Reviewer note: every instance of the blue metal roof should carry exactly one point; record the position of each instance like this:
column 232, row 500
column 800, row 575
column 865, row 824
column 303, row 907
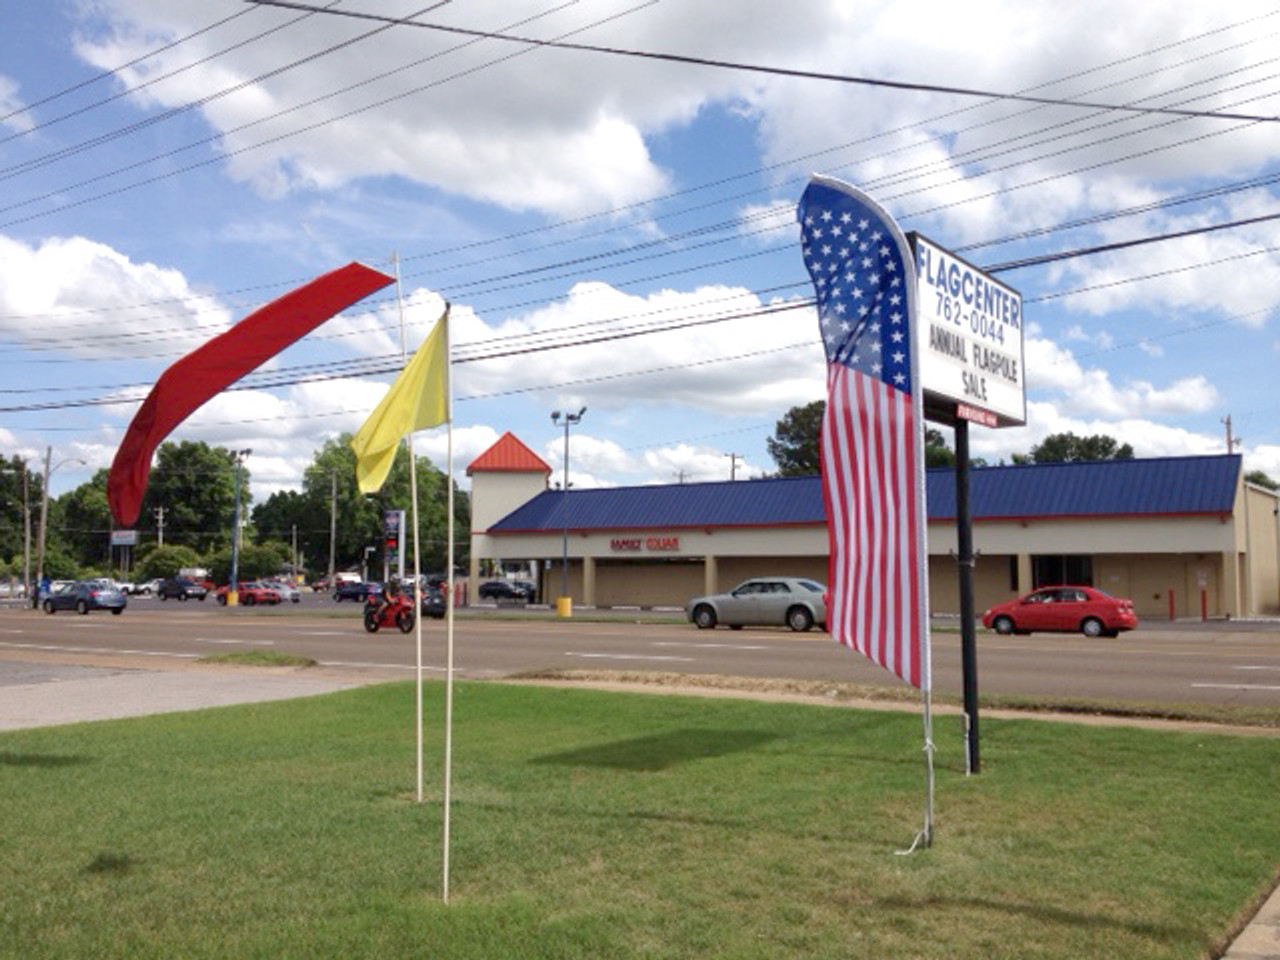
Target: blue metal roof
column 1156, row 487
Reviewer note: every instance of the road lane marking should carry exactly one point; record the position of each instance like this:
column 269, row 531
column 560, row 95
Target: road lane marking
column 1236, row 686
column 251, row 643
column 711, row 646
column 65, row 649
column 325, row 633
column 626, row 656
column 1242, row 666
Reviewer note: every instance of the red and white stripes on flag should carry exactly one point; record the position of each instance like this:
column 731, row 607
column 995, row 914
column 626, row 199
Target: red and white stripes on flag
column 870, row 453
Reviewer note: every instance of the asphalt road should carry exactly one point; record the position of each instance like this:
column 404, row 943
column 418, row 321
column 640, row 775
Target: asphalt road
column 1222, row 663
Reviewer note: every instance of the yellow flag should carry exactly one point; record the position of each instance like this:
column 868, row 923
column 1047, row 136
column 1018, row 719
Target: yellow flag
column 419, row 398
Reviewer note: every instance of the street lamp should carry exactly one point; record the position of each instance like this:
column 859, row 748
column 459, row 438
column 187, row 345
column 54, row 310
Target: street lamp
column 233, row 596
column 44, row 507
column 564, row 605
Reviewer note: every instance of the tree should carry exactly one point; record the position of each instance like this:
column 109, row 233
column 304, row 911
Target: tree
column 13, row 500
column 1261, row 479
column 359, row 517
column 1068, row 448
column 84, row 523
column 195, row 484
column 936, row 451
column 166, row 561
column 797, row 440
column 253, row 562
column 794, row 444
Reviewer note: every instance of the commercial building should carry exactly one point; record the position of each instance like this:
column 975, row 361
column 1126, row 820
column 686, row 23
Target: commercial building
column 1181, row 536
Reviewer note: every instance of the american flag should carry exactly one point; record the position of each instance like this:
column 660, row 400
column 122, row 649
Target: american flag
column 872, row 431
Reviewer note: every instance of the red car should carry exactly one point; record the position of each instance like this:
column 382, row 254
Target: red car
column 1063, row 610
column 250, row 594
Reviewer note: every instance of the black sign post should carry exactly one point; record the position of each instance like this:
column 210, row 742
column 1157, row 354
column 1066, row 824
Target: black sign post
column 968, row 629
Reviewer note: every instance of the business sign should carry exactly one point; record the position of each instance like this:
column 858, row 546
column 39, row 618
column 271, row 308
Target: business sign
column 969, row 330
column 124, row 538
column 658, row 544
column 393, row 530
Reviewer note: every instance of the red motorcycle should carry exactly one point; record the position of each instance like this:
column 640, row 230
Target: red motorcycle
column 397, row 613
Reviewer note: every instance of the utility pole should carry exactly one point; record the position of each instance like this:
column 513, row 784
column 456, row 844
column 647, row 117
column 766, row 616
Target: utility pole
column 44, row 515
column 1232, row 441
column 333, row 521
column 160, row 525
column 680, row 476
column 733, row 465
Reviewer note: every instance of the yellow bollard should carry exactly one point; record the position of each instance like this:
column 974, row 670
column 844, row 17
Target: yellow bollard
column 564, row 607
column 233, row 598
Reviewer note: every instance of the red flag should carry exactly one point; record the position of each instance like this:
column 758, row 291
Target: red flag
column 213, row 367
column 872, row 431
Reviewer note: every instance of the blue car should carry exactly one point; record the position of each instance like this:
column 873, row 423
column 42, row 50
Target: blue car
column 83, row 596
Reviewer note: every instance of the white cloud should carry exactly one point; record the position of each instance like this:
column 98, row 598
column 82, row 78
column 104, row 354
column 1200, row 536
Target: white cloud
column 13, row 112
column 1148, row 438
column 87, row 299
column 1050, row 368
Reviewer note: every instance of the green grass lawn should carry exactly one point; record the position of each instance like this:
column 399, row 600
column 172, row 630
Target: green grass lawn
column 595, row 825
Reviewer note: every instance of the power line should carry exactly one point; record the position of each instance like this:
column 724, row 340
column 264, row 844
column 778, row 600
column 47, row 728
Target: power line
column 774, row 71
column 1080, row 73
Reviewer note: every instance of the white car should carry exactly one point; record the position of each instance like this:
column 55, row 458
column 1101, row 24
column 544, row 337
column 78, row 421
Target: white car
column 288, row 592
column 763, row 602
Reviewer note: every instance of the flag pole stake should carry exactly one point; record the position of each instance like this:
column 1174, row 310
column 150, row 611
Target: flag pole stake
column 448, row 685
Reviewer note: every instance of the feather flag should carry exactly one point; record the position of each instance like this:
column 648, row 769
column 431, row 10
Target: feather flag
column 213, row 367
column 419, row 398
column 872, row 430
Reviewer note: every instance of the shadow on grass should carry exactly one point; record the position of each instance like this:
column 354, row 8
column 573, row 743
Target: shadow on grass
column 40, row 760
column 110, row 863
column 662, row 751
column 1159, row 932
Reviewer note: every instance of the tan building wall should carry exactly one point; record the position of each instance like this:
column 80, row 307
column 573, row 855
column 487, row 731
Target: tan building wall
column 1230, row 564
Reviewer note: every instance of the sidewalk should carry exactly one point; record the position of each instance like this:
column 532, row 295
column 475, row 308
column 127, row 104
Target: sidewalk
column 43, row 694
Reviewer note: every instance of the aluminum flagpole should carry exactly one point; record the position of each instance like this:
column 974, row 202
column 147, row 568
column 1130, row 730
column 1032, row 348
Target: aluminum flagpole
column 448, row 685
column 417, row 597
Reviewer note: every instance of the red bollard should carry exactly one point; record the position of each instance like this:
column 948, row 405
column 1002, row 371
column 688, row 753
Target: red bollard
column 1171, row 606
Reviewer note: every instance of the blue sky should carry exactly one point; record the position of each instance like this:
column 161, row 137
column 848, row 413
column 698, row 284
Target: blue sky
column 150, row 199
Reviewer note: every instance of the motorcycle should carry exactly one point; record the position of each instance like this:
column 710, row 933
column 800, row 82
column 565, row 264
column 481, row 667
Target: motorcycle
column 397, row 613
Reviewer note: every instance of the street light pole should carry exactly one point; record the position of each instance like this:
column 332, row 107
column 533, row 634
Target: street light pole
column 233, row 596
column 44, row 507
column 564, row 605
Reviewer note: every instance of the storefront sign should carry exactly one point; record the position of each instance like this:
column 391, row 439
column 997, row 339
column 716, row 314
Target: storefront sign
column 655, row 544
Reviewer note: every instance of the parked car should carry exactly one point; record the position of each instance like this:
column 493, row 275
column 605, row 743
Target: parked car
column 288, row 592
column 83, row 596
column 180, row 588
column 358, row 591
column 147, row 588
column 1063, row 610
column 762, row 602
column 506, row 590
column 250, row 593
column 433, row 603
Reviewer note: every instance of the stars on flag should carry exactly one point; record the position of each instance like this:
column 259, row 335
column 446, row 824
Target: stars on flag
column 858, row 279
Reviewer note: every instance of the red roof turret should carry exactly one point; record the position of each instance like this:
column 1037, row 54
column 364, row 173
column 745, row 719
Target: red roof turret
column 508, row 455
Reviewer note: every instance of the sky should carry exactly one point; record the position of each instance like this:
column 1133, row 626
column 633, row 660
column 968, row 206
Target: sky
column 618, row 232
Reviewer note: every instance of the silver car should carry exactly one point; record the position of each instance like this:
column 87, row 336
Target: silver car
column 764, row 601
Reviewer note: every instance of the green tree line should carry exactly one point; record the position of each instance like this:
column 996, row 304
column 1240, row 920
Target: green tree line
column 186, row 518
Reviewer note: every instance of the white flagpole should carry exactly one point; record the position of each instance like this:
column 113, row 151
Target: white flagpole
column 448, row 686
column 417, row 598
